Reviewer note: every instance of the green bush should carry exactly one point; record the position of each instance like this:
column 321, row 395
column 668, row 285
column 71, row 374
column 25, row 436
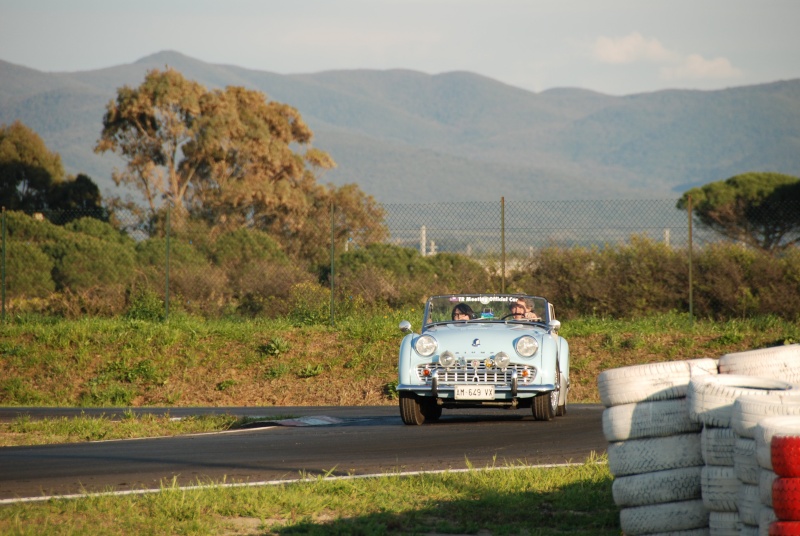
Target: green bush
column 28, row 270
column 244, row 246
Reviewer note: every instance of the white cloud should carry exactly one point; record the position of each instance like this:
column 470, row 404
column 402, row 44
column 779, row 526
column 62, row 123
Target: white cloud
column 629, row 49
column 695, row 66
column 636, row 48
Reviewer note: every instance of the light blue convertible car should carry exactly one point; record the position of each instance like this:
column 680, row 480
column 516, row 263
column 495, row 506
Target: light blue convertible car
column 483, row 350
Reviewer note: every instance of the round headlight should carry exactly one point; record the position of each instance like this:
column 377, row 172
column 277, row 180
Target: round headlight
column 447, row 359
column 526, row 346
column 501, row 360
column 425, row 345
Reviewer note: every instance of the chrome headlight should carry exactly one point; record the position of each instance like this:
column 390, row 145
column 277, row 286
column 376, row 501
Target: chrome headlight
column 425, row 345
column 526, row 346
column 447, row 359
column 501, row 360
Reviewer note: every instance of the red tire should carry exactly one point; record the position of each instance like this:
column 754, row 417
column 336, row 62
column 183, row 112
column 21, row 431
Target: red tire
column 786, row 498
column 785, row 451
column 784, row 528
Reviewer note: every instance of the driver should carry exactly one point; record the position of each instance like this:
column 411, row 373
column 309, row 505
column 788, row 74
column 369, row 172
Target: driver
column 462, row 311
column 522, row 310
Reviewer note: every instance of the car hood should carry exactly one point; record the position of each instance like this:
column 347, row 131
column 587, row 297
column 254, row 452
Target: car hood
column 487, row 335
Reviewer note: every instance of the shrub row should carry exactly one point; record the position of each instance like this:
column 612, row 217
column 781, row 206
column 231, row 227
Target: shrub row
column 89, row 267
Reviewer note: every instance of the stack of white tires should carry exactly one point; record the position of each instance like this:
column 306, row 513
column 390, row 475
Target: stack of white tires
column 654, row 448
column 690, row 443
column 781, row 364
column 730, row 478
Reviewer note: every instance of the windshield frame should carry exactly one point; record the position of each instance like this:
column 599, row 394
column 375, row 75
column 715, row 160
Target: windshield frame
column 438, row 309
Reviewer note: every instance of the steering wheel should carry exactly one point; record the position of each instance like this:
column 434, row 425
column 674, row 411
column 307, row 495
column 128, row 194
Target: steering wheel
column 509, row 314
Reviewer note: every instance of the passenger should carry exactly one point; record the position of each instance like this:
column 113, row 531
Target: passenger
column 462, row 311
column 522, row 310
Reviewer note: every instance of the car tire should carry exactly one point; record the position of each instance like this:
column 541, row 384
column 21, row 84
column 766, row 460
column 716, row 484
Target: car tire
column 744, row 460
column 749, row 410
column 777, row 362
column 748, row 503
column 431, row 410
column 785, row 451
column 720, row 487
column 665, row 517
column 765, row 480
column 658, row 418
column 786, row 498
column 717, row 445
column 724, row 523
column 411, row 409
column 652, row 381
column 638, row 456
column 711, row 398
column 542, row 406
column 564, row 391
column 657, row 487
column 784, row 528
column 769, row 427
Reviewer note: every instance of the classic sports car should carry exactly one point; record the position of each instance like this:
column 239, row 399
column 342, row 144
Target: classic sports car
column 483, row 350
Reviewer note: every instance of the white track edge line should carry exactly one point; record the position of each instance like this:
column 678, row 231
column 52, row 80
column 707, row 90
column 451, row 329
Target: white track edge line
column 278, row 482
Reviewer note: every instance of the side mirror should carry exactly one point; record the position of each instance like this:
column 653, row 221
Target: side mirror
column 405, row 326
column 555, row 325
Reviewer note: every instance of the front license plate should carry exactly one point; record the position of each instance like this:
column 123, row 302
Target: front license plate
column 474, row 392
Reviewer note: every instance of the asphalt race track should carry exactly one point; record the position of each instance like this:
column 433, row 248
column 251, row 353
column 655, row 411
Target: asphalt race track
column 292, row 442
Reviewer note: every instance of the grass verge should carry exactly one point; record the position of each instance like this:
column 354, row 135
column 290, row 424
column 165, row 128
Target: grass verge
column 26, row 431
column 510, row 500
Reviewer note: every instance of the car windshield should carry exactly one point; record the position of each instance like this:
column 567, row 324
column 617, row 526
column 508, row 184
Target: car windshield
column 485, row 308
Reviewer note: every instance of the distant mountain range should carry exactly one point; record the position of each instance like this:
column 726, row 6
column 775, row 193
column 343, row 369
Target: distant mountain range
column 409, row 137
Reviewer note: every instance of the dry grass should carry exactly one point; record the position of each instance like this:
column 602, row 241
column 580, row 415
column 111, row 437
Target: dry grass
column 193, row 362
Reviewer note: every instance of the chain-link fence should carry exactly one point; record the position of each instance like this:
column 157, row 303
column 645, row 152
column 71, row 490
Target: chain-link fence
column 83, row 265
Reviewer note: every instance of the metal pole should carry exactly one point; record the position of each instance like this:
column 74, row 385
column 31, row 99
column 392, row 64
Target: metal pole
column 333, row 251
column 166, row 288
column 503, row 241
column 3, row 275
column 691, row 262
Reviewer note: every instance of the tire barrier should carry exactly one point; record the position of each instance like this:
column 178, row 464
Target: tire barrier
column 786, row 498
column 785, row 451
column 654, row 381
column 738, row 407
column 779, row 362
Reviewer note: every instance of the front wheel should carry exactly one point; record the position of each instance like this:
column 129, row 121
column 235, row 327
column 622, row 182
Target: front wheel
column 411, row 409
column 545, row 406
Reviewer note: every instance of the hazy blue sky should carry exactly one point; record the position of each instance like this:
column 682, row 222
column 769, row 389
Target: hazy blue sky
column 613, row 46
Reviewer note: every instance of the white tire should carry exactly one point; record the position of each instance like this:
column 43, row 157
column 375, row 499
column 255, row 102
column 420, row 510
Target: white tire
column 765, row 518
column 748, row 530
column 657, row 487
column 703, row 531
column 637, row 456
column 765, row 480
column 778, row 362
column 648, row 419
column 717, row 445
column 748, row 410
column 748, row 503
column 768, row 427
column 724, row 523
column 720, row 488
column 744, row 460
column 653, row 381
column 665, row 517
column 711, row 398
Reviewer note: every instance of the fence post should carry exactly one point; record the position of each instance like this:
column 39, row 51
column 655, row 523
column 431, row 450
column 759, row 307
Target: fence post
column 503, row 242
column 3, row 275
column 691, row 247
column 333, row 251
column 166, row 288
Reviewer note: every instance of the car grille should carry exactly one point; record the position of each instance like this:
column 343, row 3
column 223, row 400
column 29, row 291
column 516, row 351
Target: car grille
column 481, row 375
